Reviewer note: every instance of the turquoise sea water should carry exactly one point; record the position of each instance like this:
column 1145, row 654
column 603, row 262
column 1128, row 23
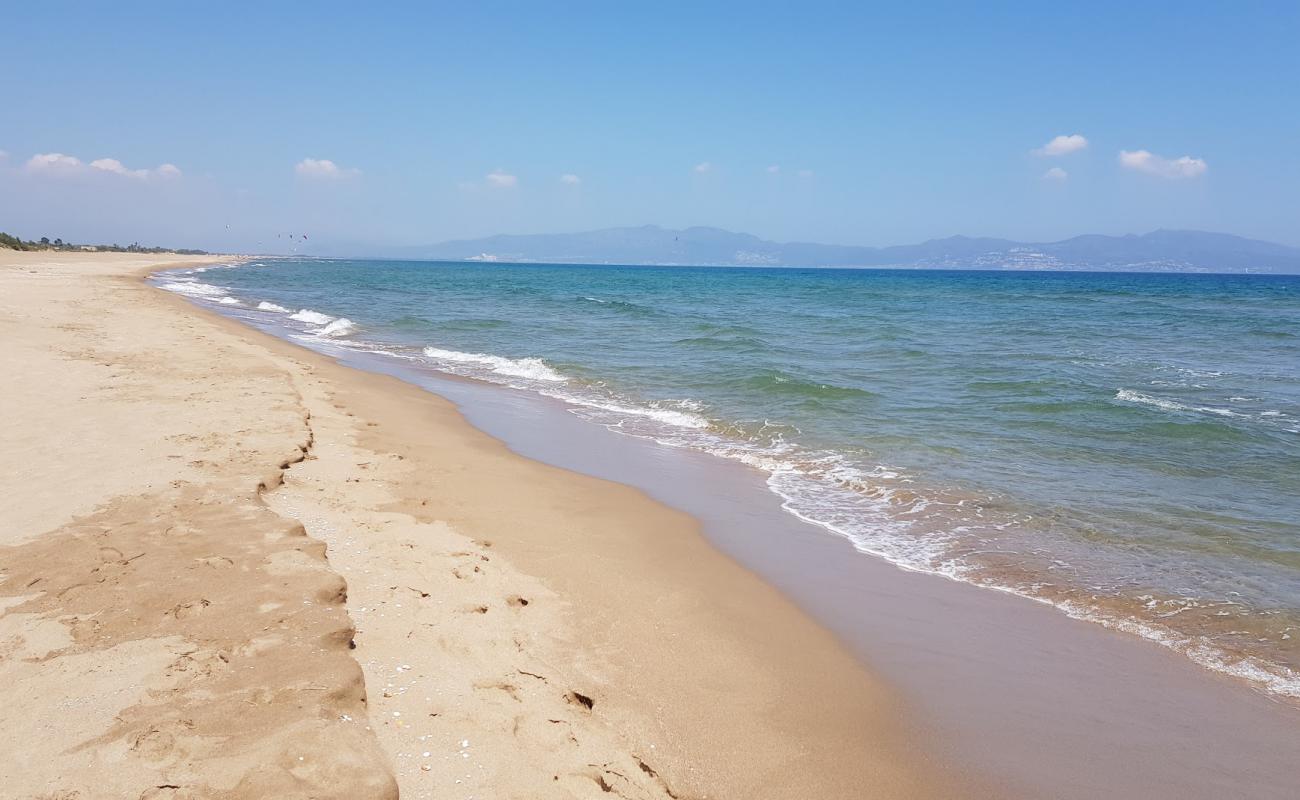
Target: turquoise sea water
column 1124, row 446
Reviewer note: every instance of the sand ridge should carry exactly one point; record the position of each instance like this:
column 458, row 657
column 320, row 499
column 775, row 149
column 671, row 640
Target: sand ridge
column 472, row 689
column 166, row 634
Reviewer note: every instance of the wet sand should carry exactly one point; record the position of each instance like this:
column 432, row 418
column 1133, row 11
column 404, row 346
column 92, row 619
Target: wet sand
column 230, row 567
column 993, row 683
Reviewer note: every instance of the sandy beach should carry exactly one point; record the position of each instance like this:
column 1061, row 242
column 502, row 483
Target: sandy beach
column 233, row 568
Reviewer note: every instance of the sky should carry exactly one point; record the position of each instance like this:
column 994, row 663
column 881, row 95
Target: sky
column 223, row 126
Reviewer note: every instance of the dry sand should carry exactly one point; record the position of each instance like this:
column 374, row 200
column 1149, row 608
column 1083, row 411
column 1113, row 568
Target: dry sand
column 196, row 516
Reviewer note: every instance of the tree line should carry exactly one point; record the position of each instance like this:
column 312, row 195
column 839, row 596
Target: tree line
column 44, row 243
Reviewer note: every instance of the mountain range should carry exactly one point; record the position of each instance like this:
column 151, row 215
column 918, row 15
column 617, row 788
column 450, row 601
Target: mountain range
column 1159, row 251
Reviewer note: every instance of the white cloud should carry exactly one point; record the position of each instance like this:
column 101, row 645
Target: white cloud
column 52, row 161
column 570, row 179
column 4, row 155
column 1055, row 174
column 118, row 168
column 1152, row 164
column 775, row 168
column 703, row 167
column 501, row 179
column 1063, row 145
column 323, row 168
column 805, row 173
column 58, row 162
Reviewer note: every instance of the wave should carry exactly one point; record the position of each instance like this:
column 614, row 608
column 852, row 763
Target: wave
column 743, row 344
column 1036, row 387
column 311, row 317
column 265, row 306
column 339, row 327
column 194, row 289
column 777, row 382
column 657, row 411
column 622, row 305
column 229, row 301
column 1138, row 398
column 530, row 368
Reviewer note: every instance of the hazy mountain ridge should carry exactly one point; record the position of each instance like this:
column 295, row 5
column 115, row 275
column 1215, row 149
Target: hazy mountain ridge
column 1159, row 251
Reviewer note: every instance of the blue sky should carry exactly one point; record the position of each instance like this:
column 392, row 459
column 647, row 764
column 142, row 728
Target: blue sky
column 795, row 121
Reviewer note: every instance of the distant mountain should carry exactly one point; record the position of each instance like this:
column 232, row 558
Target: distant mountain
column 1160, row 251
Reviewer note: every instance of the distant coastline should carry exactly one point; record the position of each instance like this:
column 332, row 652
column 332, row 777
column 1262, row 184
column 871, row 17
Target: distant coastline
column 1159, row 251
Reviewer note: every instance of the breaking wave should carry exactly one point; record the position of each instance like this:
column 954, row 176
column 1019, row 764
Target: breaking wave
column 530, row 368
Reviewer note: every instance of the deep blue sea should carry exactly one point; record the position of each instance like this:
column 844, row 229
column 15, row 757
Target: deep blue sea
column 1124, row 446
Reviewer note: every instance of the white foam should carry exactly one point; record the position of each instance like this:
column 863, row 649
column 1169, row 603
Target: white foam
column 530, row 368
column 668, row 416
column 311, row 317
column 229, row 301
column 1273, row 678
column 339, row 327
column 265, row 306
column 1170, row 405
column 194, row 288
column 1147, row 400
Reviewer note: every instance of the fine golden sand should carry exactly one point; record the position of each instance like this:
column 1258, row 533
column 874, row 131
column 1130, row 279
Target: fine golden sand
column 232, row 568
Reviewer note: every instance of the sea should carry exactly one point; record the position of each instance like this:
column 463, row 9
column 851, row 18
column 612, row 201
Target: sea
column 1125, row 447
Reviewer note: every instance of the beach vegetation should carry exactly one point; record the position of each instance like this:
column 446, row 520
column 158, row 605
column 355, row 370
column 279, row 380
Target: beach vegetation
column 11, row 242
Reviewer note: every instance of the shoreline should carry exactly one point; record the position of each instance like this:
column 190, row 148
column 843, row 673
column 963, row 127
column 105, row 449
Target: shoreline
column 852, row 737
column 1116, row 698
column 598, row 644
column 873, row 525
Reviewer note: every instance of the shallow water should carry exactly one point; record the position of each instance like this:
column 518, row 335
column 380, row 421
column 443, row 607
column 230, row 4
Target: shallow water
column 1124, row 446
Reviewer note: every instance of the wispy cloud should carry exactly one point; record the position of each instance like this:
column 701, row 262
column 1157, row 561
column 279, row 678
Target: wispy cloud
column 703, row 167
column 1152, row 164
column 501, row 180
column 1055, row 174
column 569, row 179
column 805, row 173
column 774, row 169
column 1063, row 145
column 323, row 168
